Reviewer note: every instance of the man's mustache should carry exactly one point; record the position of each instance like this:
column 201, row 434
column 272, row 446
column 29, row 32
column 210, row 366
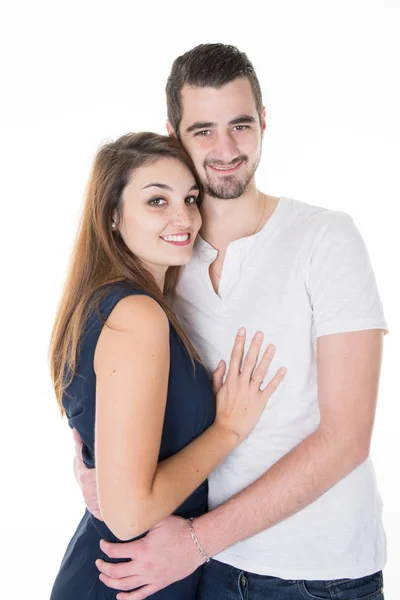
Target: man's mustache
column 220, row 163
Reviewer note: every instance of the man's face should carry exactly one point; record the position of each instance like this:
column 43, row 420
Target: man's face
column 221, row 131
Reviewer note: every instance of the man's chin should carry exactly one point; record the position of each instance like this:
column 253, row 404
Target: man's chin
column 225, row 194
column 226, row 191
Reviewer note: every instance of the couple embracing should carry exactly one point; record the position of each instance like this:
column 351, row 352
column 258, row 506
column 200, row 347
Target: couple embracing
column 257, row 484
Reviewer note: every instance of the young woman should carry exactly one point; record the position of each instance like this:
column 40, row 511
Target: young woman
column 123, row 369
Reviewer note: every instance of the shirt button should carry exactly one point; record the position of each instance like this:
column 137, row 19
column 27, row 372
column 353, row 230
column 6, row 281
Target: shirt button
column 243, row 580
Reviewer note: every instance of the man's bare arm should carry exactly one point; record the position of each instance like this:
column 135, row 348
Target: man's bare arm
column 86, row 478
column 348, row 378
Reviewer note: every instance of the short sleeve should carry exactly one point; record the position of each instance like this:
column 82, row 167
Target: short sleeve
column 342, row 287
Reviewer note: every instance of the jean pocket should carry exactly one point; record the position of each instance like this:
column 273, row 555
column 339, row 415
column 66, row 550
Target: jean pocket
column 363, row 588
column 314, row 590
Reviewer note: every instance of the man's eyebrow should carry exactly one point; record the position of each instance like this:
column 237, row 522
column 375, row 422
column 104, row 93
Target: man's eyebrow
column 209, row 124
column 200, row 125
column 242, row 119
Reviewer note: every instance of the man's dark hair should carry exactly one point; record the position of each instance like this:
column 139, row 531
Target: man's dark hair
column 208, row 65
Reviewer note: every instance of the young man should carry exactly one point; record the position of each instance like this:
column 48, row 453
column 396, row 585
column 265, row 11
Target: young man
column 294, row 511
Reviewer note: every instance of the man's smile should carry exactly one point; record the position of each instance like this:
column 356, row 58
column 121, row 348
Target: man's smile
column 228, row 169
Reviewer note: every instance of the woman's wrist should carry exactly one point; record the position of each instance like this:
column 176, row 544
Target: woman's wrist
column 225, row 432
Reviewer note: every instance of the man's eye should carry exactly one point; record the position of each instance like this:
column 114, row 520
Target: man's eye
column 192, row 199
column 156, row 201
column 241, row 127
column 203, row 133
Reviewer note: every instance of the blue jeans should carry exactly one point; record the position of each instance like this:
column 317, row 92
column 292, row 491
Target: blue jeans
column 223, row 582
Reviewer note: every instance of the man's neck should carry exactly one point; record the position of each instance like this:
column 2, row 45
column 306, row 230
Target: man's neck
column 225, row 221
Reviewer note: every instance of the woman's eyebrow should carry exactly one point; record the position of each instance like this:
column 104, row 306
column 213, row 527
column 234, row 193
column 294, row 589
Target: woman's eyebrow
column 163, row 186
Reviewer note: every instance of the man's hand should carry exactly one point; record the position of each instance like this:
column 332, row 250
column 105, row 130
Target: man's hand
column 167, row 554
column 86, row 478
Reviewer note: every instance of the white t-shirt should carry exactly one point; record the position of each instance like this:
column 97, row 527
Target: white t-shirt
column 305, row 274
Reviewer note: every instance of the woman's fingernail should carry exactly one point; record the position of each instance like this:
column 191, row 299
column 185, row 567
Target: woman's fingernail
column 271, row 349
column 241, row 331
column 259, row 335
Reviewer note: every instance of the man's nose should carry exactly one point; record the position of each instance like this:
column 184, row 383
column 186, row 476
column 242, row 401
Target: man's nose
column 226, row 148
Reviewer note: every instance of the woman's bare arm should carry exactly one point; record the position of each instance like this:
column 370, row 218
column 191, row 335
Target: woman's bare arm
column 132, row 366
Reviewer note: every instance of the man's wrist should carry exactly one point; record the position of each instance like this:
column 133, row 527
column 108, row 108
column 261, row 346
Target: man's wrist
column 209, row 531
column 196, row 542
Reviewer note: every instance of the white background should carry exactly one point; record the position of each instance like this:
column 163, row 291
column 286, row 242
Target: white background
column 75, row 74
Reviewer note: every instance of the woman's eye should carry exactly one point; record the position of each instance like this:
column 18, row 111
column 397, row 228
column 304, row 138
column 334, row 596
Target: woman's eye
column 156, row 201
column 192, row 199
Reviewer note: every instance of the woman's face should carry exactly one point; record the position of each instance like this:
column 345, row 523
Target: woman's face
column 159, row 215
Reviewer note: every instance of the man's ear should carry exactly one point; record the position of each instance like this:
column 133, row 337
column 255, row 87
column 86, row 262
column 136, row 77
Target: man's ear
column 170, row 130
column 263, row 120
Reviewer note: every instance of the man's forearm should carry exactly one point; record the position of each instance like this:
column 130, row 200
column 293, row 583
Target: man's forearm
column 291, row 484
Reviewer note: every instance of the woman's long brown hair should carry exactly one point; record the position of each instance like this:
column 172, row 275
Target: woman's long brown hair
column 101, row 257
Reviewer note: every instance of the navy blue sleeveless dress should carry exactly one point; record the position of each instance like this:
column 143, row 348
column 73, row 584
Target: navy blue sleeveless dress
column 190, row 409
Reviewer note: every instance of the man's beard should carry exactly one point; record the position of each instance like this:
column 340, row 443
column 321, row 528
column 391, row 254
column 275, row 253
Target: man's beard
column 229, row 187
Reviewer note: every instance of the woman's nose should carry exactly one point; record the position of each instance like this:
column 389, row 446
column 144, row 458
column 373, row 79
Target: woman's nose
column 182, row 218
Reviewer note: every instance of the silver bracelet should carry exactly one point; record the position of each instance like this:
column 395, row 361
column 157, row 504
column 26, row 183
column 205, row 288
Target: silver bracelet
column 196, row 541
